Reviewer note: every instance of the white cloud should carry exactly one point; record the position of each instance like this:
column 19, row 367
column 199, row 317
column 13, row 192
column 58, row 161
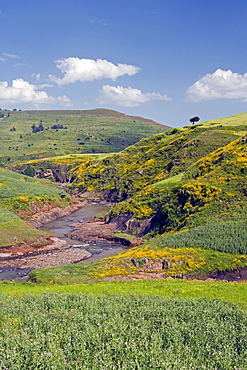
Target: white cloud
column 21, row 65
column 75, row 69
column 127, row 97
column 14, row 56
column 37, row 76
column 2, row 59
column 22, row 92
column 220, row 84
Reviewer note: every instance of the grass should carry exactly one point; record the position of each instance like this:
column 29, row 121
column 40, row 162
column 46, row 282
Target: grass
column 16, row 190
column 227, row 237
column 18, row 194
column 77, row 331
column 14, row 231
column 229, row 292
column 100, row 131
column 170, row 180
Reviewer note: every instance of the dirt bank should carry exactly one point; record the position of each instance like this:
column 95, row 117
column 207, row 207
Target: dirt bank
column 40, row 216
column 230, row 275
column 235, row 276
column 47, row 213
column 49, row 243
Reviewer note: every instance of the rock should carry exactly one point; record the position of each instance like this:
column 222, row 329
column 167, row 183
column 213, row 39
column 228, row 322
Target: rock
column 56, row 244
column 57, row 258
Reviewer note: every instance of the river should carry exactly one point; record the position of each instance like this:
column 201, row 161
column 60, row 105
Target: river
column 62, row 226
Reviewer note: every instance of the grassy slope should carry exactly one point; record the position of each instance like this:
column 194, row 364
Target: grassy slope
column 179, row 172
column 17, row 193
column 98, row 130
column 196, row 185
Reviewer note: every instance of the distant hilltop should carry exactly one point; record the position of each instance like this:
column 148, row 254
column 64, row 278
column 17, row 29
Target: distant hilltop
column 99, row 112
column 34, row 134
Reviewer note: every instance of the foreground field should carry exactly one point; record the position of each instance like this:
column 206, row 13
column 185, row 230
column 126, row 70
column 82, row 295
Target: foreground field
column 230, row 292
column 75, row 331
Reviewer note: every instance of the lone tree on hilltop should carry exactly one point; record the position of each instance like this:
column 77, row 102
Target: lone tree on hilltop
column 194, row 119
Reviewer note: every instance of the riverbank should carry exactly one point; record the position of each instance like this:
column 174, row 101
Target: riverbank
column 57, row 249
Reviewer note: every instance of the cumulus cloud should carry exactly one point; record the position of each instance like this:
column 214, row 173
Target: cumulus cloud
column 22, row 92
column 76, row 69
column 13, row 56
column 220, row 84
column 127, row 97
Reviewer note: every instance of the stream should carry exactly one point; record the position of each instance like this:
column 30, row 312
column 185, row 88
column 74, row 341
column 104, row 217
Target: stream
column 62, row 226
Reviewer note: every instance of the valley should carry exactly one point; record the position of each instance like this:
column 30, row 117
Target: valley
column 173, row 203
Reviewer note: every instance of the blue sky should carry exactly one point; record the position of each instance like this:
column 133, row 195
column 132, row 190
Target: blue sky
column 166, row 60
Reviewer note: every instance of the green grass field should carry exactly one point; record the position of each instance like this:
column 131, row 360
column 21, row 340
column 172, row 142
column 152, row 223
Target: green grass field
column 229, row 292
column 78, row 331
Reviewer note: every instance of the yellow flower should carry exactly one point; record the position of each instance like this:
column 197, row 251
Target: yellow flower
column 24, row 199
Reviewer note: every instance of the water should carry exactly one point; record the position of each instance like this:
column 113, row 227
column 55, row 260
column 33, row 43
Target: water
column 62, row 226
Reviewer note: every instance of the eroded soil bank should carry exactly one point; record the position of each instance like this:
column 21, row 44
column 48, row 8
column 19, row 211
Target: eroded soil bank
column 61, row 249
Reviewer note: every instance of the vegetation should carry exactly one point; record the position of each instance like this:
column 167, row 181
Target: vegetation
column 145, row 259
column 58, row 168
column 20, row 196
column 186, row 187
column 172, row 288
column 109, row 332
column 227, row 237
column 194, row 119
column 183, row 190
column 177, row 179
column 89, row 131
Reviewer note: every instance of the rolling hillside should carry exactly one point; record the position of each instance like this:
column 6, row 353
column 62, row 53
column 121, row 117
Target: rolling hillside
column 27, row 135
column 184, row 191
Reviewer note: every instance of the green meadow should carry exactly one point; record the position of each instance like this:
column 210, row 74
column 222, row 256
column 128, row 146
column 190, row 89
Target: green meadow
column 78, row 132
column 131, row 325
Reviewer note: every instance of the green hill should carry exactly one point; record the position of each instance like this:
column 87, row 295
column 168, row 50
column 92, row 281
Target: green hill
column 176, row 179
column 19, row 197
column 183, row 190
column 29, row 135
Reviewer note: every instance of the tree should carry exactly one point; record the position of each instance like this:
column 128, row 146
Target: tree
column 194, row 119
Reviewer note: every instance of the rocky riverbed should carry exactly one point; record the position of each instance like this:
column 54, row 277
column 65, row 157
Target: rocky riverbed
column 47, row 259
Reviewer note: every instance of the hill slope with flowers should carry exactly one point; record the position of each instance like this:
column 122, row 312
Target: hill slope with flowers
column 175, row 177
column 183, row 192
